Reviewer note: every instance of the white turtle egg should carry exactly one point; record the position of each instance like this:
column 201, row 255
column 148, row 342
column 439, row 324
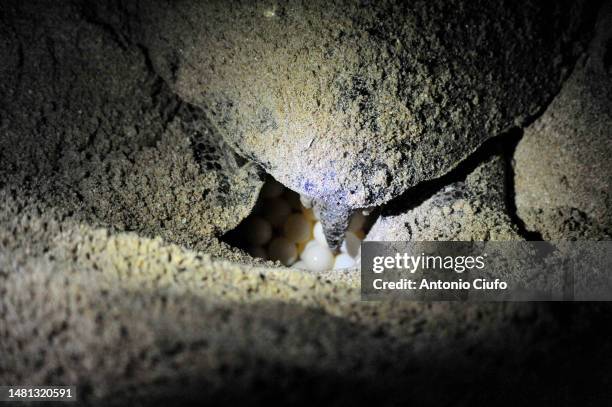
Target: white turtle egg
column 276, row 210
column 318, row 257
column 357, row 221
column 351, row 244
column 283, row 250
column 306, row 246
column 297, row 228
column 300, row 265
column 258, row 231
column 319, row 235
column 272, row 189
column 344, row 261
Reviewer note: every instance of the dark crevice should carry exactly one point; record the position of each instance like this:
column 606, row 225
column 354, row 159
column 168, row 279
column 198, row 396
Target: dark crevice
column 588, row 33
column 147, row 59
column 585, row 36
column 169, row 102
column 511, row 193
column 607, row 58
column 503, row 145
column 423, row 191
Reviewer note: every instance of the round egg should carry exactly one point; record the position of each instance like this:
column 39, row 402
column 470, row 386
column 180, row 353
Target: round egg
column 293, row 199
column 344, row 261
column 257, row 251
column 305, row 246
column 297, row 228
column 300, row 265
column 351, row 245
column 319, row 235
column 272, row 189
column 318, row 257
column 258, row 231
column 283, row 250
column 357, row 222
column 276, row 211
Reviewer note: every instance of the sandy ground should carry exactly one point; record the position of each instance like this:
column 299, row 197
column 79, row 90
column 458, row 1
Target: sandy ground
column 113, row 276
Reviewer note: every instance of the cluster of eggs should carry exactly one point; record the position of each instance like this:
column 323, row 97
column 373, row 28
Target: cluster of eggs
column 282, row 227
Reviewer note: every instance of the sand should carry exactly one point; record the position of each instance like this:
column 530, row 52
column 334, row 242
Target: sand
column 116, row 192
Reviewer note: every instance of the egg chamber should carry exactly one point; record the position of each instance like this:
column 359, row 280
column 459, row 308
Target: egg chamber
column 284, row 227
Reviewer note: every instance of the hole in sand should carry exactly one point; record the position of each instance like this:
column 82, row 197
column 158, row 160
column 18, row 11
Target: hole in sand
column 281, row 228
